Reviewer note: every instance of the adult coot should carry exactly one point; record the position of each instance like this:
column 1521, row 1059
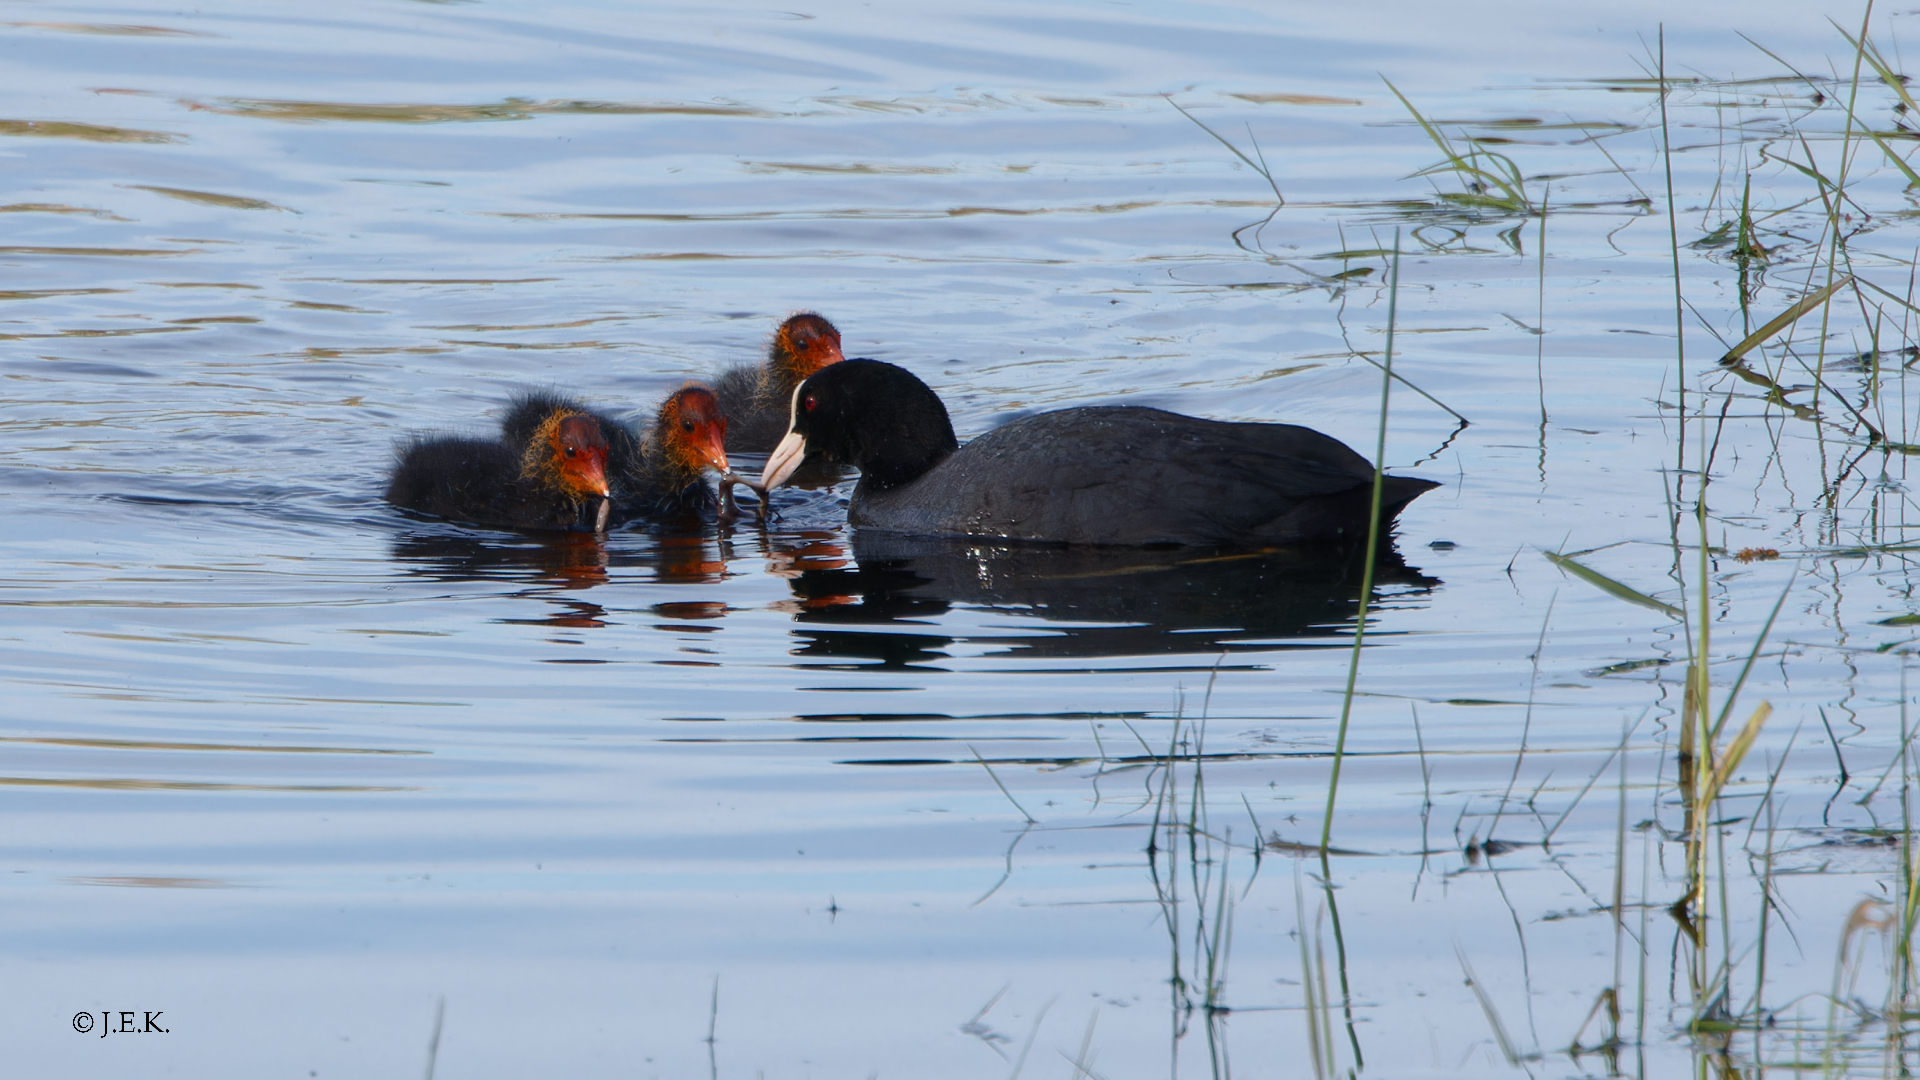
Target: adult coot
column 559, row 465
column 1099, row 475
column 755, row 397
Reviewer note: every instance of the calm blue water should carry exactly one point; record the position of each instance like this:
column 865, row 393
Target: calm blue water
column 298, row 771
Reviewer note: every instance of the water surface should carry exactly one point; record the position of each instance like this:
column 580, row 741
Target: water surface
column 300, row 771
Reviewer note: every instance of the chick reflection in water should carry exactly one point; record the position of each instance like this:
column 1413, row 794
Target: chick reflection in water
column 1141, row 602
column 573, row 560
column 578, row 560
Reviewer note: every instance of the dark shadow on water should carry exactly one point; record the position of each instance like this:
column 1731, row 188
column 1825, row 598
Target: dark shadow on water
column 1139, row 602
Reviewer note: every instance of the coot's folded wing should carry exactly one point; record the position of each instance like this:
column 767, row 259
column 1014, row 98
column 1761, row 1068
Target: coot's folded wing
column 1126, row 475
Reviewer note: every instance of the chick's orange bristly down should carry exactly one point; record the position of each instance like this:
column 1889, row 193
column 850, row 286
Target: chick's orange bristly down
column 568, row 452
column 755, row 397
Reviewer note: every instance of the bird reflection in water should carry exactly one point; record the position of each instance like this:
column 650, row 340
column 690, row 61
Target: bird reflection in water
column 576, row 560
column 1088, row 602
column 567, row 560
column 566, row 615
column 690, row 559
column 810, row 553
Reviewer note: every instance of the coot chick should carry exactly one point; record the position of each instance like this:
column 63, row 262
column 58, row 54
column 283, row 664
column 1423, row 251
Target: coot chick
column 1123, row 475
column 547, row 471
column 755, row 398
column 561, row 466
column 655, row 474
column 667, row 476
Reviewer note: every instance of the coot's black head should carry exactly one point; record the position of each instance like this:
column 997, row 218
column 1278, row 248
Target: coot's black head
column 872, row 415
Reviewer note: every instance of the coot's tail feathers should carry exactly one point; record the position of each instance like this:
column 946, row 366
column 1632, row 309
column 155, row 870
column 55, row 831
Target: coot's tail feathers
column 1314, row 488
column 1397, row 491
column 1341, row 517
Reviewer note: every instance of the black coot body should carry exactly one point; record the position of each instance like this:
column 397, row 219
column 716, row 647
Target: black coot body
column 755, row 397
column 1121, row 475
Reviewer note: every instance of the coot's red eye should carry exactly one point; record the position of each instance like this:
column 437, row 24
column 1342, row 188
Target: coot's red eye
column 686, row 425
column 807, row 403
column 571, row 452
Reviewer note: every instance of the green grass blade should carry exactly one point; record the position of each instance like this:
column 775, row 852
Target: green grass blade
column 1611, row 587
column 1730, row 760
column 1515, row 198
column 1913, row 178
column 1433, row 133
column 1257, row 166
column 1759, row 643
column 1031, row 820
column 1871, row 54
column 1781, row 321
